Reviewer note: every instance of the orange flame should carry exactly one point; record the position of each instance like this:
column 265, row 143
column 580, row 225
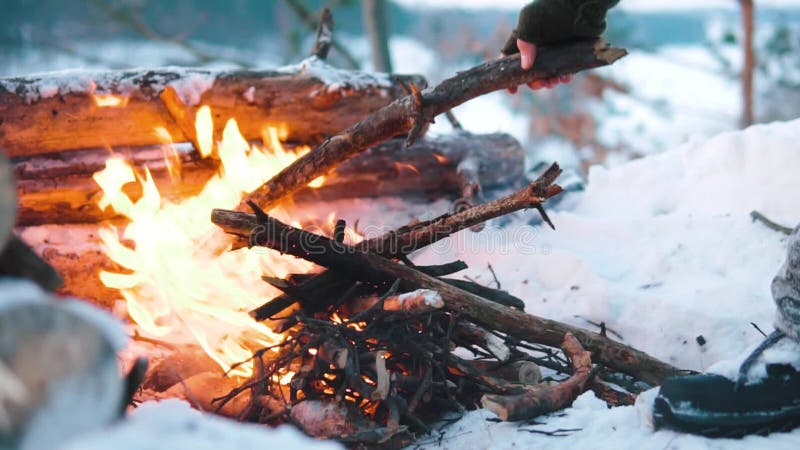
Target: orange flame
column 110, row 100
column 180, row 282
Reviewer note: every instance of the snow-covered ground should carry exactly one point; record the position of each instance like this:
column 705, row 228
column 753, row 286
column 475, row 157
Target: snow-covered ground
column 661, row 249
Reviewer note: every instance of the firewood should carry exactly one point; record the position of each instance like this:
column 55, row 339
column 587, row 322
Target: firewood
column 420, row 301
column 538, row 401
column 57, row 112
column 471, row 334
column 59, row 188
column 270, row 232
column 521, row 372
column 413, row 113
column 408, row 239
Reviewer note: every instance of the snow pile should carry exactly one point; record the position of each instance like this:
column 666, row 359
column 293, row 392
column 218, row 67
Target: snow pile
column 663, row 251
column 174, row 425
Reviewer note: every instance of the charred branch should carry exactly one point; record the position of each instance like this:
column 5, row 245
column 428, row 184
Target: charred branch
column 543, row 400
column 271, row 233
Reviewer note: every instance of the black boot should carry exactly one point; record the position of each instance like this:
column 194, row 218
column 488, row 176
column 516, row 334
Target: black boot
column 715, row 406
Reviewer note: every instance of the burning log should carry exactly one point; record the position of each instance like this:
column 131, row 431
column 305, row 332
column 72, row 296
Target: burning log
column 413, row 113
column 58, row 188
column 538, row 401
column 53, row 113
column 268, row 232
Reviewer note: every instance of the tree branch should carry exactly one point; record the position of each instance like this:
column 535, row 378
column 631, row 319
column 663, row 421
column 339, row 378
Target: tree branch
column 414, row 112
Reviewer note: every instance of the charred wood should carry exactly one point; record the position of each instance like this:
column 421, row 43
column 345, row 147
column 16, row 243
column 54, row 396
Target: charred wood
column 274, row 234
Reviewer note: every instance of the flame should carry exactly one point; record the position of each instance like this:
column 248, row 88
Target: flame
column 171, row 156
column 110, row 100
column 204, row 127
column 179, row 282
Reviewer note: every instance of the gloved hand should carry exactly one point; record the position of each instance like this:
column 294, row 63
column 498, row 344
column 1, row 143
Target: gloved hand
column 551, row 21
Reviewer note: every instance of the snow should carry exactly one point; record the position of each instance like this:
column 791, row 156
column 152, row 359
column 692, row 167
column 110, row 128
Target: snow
column 188, row 83
column 16, row 292
column 172, row 424
column 662, row 250
column 338, row 79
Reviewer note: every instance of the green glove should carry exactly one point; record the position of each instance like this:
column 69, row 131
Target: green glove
column 550, row 21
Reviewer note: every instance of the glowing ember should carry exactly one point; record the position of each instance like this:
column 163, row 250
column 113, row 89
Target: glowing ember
column 180, row 283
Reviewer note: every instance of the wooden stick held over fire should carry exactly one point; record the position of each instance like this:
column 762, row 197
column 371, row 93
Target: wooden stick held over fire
column 413, row 113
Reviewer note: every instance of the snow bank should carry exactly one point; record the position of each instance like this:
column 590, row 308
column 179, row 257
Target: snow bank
column 663, row 251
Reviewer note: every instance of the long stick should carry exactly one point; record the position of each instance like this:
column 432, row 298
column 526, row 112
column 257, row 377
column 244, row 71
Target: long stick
column 276, row 235
column 413, row 113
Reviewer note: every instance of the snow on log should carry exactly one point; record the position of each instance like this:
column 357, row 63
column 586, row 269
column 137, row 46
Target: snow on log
column 82, row 110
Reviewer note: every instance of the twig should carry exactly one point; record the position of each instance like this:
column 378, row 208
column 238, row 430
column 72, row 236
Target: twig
column 494, row 275
column 758, row 217
column 324, row 37
column 308, row 19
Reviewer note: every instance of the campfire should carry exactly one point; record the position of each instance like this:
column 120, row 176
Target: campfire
column 274, row 310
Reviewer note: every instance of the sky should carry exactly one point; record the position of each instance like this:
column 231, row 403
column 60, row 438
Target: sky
column 631, row 5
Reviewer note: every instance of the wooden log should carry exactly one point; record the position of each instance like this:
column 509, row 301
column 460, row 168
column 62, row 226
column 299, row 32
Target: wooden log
column 58, row 188
column 537, row 402
column 65, row 111
column 413, row 113
column 272, row 233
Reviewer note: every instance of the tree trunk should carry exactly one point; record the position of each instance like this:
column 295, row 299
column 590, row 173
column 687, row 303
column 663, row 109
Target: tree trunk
column 748, row 69
column 376, row 26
